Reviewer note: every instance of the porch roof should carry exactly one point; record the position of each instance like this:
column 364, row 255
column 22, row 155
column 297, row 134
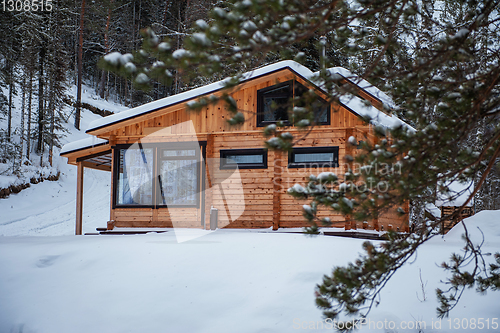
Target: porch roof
column 95, row 153
column 82, row 144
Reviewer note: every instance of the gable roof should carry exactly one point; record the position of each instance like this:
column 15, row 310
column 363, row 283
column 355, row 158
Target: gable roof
column 352, row 103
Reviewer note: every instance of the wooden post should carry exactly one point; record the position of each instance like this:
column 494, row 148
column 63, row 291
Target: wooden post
column 277, row 190
column 347, row 223
column 209, row 162
column 79, row 198
column 112, row 143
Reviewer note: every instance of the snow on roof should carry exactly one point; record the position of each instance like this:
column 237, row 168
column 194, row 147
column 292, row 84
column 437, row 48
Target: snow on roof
column 380, row 118
column 362, row 109
column 82, row 144
column 363, row 84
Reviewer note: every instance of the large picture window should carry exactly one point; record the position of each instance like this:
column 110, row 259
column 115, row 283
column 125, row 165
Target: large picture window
column 273, row 104
column 178, row 177
column 155, row 176
column 243, row 159
column 314, row 157
column 135, row 177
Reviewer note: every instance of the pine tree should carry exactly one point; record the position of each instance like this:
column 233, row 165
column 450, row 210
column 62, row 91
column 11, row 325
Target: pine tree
column 106, row 48
column 9, row 46
column 41, row 99
column 79, row 68
column 57, row 58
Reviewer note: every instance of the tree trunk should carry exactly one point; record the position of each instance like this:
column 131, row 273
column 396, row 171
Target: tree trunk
column 165, row 12
column 101, row 83
column 23, row 107
column 10, row 70
column 40, row 101
column 80, row 69
column 52, row 116
column 106, row 49
column 28, row 132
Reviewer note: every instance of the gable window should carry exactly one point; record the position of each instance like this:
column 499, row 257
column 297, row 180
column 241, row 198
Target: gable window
column 314, row 157
column 243, row 159
column 273, row 104
column 320, row 107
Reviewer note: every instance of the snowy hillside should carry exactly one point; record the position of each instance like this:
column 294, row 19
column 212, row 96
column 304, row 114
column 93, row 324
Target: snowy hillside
column 48, row 208
column 226, row 281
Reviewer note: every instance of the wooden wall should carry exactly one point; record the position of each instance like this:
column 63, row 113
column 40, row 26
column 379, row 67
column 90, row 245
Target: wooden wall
column 157, row 218
column 249, row 194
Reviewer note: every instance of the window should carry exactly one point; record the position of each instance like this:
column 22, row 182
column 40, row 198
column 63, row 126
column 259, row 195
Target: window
column 178, row 172
column 243, row 158
column 273, row 104
column 314, row 157
column 320, row 106
column 155, row 176
column 134, row 177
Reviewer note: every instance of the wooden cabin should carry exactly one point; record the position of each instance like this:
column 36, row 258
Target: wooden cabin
column 172, row 167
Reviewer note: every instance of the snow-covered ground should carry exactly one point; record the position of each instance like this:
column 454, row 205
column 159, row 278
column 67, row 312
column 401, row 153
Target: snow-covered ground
column 225, row 281
column 49, row 208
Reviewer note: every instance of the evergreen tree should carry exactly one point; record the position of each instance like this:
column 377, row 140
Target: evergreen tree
column 57, row 58
column 79, row 67
column 35, row 48
column 9, row 46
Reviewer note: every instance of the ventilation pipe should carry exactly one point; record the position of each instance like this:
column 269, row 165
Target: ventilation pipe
column 322, row 41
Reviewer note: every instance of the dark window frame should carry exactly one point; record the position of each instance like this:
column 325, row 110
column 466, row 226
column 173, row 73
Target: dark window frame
column 251, row 151
column 328, row 105
column 160, row 158
column 313, row 150
column 116, row 165
column 157, row 150
column 293, row 85
column 260, row 101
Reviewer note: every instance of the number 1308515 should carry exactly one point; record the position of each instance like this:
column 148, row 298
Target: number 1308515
column 26, row 5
